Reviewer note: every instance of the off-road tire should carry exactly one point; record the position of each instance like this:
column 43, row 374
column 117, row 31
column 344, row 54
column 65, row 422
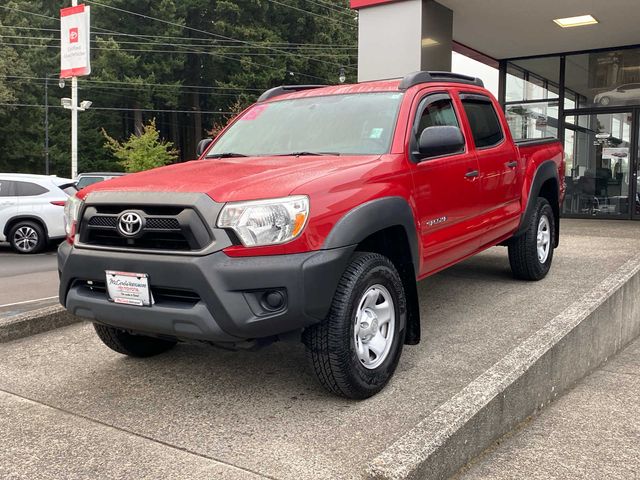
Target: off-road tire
column 523, row 250
column 40, row 239
column 330, row 344
column 132, row 345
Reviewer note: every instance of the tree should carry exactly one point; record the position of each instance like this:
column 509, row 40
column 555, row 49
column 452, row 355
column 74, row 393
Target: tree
column 142, row 152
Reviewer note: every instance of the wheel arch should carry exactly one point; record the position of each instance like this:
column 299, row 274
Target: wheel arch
column 33, row 218
column 386, row 226
column 546, row 185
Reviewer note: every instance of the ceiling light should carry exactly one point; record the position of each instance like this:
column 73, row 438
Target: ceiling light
column 579, row 21
column 429, row 42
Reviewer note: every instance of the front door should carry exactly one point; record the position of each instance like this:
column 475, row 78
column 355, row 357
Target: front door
column 446, row 190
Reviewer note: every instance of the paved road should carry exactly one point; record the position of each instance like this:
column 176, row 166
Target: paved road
column 593, row 432
column 71, row 408
column 25, row 278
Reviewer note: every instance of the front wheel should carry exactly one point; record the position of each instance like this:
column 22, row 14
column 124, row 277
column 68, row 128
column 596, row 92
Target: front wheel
column 356, row 349
column 531, row 254
column 126, row 343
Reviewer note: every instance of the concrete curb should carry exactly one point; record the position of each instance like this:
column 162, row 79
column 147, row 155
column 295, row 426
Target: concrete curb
column 569, row 347
column 33, row 322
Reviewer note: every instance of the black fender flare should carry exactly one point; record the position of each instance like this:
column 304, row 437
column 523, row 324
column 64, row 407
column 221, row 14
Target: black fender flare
column 371, row 217
column 547, row 170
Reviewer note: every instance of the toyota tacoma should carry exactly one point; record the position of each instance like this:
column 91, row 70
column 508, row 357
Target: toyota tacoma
column 311, row 217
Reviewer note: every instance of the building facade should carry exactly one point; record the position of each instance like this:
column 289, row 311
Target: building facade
column 568, row 70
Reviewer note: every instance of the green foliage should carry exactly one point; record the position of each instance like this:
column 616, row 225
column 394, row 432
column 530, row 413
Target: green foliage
column 142, row 152
column 143, row 69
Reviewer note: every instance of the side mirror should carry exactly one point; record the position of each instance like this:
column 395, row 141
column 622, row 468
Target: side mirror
column 441, row 140
column 202, row 146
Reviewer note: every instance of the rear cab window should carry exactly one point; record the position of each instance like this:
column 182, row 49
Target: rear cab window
column 483, row 120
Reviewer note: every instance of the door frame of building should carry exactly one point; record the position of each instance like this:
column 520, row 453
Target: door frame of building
column 633, row 158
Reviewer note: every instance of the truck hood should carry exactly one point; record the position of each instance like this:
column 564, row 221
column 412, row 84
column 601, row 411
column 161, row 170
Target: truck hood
column 234, row 179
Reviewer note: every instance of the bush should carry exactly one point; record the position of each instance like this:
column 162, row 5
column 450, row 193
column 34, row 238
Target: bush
column 142, row 152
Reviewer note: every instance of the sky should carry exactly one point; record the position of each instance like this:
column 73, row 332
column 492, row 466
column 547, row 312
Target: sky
column 468, row 66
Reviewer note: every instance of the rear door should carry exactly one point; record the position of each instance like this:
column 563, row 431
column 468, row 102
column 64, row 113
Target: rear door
column 498, row 162
column 445, row 188
column 8, row 203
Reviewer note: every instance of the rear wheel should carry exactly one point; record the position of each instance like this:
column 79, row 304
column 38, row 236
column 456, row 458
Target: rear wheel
column 531, row 254
column 27, row 237
column 356, row 349
column 132, row 345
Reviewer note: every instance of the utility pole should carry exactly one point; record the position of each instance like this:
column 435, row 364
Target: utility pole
column 46, row 125
column 74, row 61
column 74, row 119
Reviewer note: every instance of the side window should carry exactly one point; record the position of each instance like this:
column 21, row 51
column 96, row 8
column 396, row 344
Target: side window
column 28, row 189
column 484, row 122
column 435, row 110
column 7, row 188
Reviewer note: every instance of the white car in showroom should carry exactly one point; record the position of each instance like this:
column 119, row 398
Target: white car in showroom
column 32, row 210
column 629, row 92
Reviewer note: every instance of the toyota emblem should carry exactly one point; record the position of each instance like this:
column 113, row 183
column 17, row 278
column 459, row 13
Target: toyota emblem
column 129, row 224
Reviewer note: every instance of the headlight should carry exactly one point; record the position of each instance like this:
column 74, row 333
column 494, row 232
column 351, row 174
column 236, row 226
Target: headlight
column 71, row 211
column 266, row 222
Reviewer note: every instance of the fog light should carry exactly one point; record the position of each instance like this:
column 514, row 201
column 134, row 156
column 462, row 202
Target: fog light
column 273, row 300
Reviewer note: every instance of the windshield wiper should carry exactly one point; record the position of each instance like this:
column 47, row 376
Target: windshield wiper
column 227, row 155
column 302, row 154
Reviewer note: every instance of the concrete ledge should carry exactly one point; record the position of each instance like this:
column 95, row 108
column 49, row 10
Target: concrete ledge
column 33, row 322
column 569, row 347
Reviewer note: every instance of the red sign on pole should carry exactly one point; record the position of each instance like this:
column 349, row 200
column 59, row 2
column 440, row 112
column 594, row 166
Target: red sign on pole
column 75, row 43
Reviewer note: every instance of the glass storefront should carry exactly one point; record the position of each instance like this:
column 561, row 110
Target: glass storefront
column 590, row 101
column 598, row 148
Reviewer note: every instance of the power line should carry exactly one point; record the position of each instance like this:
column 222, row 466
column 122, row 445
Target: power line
column 37, row 105
column 171, row 37
column 308, row 12
column 190, row 28
column 92, row 2
column 51, row 39
column 333, row 8
column 168, row 85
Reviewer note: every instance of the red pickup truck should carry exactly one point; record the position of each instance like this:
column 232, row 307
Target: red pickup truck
column 311, row 217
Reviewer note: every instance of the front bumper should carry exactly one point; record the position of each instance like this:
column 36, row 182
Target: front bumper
column 226, row 292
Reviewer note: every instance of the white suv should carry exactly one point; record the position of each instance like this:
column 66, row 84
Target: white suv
column 32, row 210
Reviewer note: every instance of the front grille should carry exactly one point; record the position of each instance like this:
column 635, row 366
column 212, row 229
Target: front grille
column 164, row 228
column 155, row 223
column 161, row 295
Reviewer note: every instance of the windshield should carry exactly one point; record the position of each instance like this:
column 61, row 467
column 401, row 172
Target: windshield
column 353, row 124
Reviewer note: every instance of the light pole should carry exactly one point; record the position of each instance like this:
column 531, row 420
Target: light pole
column 72, row 104
column 46, row 118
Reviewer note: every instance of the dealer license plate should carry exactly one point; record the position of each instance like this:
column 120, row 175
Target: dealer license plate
column 129, row 288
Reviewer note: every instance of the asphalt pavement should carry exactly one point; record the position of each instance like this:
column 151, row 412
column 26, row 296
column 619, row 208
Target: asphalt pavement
column 27, row 282
column 71, row 408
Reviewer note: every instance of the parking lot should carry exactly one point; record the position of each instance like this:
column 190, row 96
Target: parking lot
column 28, row 281
column 74, row 409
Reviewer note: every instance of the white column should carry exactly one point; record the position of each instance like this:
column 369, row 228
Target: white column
column 401, row 37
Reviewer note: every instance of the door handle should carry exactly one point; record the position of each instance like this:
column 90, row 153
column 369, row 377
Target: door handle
column 512, row 164
column 472, row 174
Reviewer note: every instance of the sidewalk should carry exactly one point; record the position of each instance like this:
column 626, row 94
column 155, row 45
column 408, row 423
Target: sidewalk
column 593, row 432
